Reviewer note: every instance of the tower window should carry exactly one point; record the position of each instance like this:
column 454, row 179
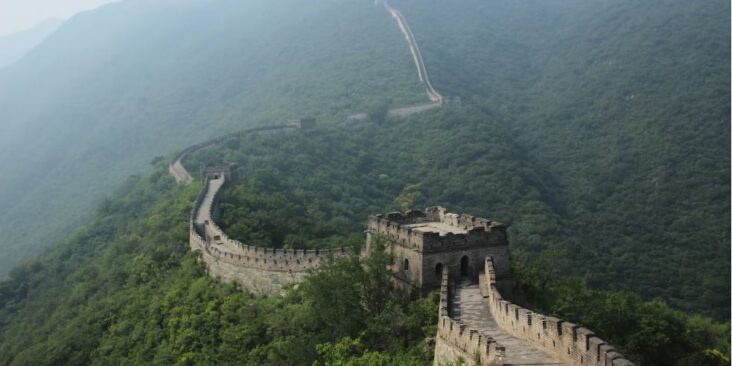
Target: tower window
column 406, row 264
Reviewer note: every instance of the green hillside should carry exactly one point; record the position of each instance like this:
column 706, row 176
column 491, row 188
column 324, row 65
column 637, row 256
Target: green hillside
column 125, row 290
column 140, row 79
column 625, row 107
column 598, row 131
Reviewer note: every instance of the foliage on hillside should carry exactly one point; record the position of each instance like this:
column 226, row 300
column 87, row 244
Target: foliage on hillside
column 649, row 332
column 625, row 107
column 607, row 161
column 140, row 79
column 125, row 290
column 308, row 189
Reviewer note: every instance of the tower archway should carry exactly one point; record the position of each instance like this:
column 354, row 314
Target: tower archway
column 464, row 266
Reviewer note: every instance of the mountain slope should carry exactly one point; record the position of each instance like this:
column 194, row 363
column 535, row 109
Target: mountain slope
column 141, row 79
column 14, row 46
column 625, row 106
column 125, row 289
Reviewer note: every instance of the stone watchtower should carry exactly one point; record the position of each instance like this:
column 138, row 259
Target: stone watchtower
column 303, row 123
column 218, row 171
column 423, row 243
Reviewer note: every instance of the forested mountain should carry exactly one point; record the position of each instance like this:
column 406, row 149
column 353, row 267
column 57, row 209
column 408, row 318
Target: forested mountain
column 15, row 45
column 117, row 86
column 126, row 289
column 625, row 107
column 598, row 131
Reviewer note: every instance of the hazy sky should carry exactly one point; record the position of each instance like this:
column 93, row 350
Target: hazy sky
column 18, row 15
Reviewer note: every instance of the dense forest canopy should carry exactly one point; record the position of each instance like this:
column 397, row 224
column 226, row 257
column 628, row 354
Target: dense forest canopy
column 126, row 289
column 625, row 107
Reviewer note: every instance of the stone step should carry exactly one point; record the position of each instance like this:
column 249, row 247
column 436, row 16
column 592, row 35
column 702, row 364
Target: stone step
column 471, row 308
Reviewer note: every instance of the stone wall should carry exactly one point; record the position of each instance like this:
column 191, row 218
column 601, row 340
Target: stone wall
column 251, row 279
column 175, row 167
column 416, row 53
column 566, row 341
column 456, row 341
column 257, row 269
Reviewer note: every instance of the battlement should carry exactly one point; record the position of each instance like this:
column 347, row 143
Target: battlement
column 473, row 345
column 245, row 264
column 566, row 341
column 425, row 242
column 435, row 230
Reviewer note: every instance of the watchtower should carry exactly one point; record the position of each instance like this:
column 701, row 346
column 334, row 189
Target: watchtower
column 424, row 242
column 217, row 171
column 303, row 123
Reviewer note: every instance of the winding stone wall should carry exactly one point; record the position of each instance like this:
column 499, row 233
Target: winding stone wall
column 252, row 279
column 268, row 270
column 256, row 269
column 416, row 53
column 566, row 341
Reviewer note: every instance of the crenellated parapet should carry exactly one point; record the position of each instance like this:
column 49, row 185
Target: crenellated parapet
column 413, row 230
column 234, row 260
column 566, row 341
column 423, row 242
column 456, row 340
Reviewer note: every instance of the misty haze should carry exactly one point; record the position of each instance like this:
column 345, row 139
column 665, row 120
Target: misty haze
column 365, row 183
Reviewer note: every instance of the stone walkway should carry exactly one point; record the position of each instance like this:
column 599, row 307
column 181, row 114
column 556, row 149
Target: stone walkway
column 470, row 307
column 204, row 213
column 179, row 172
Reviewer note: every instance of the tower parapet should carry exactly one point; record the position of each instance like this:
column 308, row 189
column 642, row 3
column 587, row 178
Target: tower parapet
column 425, row 242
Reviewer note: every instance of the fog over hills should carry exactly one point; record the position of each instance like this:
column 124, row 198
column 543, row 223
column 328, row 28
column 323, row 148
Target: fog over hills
column 631, row 164
column 598, row 132
column 15, row 45
column 119, row 85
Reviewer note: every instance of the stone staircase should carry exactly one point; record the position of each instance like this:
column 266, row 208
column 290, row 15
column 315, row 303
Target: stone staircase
column 471, row 308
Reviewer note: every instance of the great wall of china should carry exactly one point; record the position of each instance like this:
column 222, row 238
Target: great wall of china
column 480, row 327
column 256, row 269
column 424, row 77
column 476, row 324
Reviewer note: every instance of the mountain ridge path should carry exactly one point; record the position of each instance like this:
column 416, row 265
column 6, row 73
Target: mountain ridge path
column 471, row 308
